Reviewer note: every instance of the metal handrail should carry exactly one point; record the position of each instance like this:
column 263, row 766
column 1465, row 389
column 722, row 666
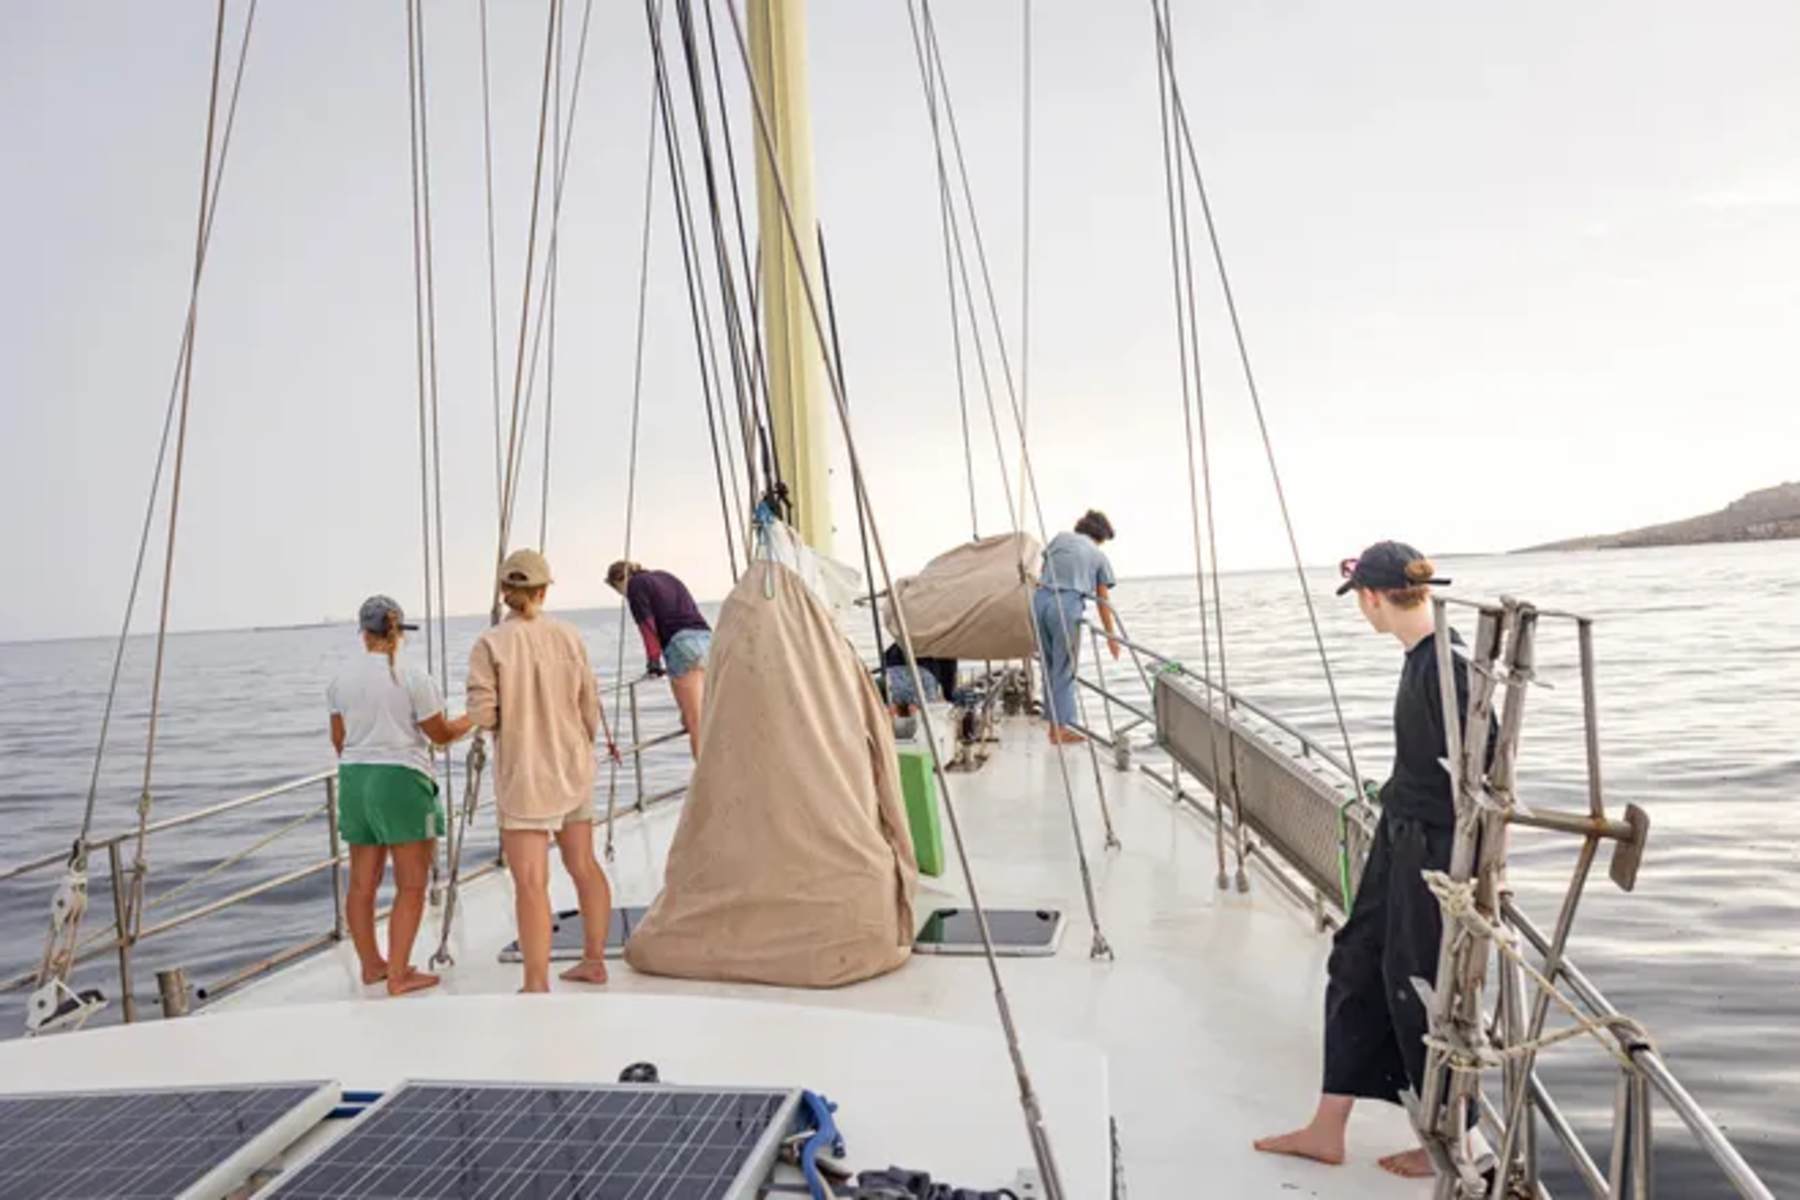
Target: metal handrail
column 1558, row 968
column 117, row 937
column 1710, row 1136
column 1309, row 745
column 201, row 814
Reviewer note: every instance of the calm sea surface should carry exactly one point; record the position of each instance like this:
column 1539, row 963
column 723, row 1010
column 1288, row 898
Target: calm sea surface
column 1699, row 692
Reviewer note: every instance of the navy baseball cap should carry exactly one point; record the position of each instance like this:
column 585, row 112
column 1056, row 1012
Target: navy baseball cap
column 373, row 618
column 1382, row 568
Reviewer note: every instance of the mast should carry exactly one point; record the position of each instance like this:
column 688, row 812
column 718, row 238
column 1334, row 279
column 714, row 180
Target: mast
column 797, row 392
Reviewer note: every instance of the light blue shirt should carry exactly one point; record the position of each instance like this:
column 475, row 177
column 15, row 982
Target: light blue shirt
column 1073, row 563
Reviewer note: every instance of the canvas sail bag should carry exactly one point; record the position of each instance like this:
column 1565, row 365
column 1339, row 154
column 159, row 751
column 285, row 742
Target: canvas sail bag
column 792, row 863
column 973, row 602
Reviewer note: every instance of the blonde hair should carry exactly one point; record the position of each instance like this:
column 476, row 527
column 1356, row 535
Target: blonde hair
column 524, row 601
column 1418, row 572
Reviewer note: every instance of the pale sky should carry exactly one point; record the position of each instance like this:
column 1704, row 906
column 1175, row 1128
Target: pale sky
column 1508, row 273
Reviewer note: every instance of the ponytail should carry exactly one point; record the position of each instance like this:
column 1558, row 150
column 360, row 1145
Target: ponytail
column 1419, row 573
column 393, row 644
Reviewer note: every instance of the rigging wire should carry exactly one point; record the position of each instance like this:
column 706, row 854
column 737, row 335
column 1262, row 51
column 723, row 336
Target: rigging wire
column 631, row 457
column 954, row 254
column 139, row 866
column 1166, row 50
column 699, row 306
column 537, row 183
column 1036, row 1129
column 540, row 322
column 763, row 417
column 1024, row 239
column 209, row 207
column 742, row 371
column 1028, row 486
column 431, row 487
column 956, row 349
column 487, row 170
column 862, row 516
column 1177, row 245
column 562, row 160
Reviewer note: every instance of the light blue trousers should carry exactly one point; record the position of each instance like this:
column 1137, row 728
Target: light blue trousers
column 1059, row 636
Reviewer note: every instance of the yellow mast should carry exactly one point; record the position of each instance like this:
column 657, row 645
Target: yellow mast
column 797, row 386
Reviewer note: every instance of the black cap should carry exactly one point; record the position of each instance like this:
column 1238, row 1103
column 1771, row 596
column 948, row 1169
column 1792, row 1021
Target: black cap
column 1382, row 568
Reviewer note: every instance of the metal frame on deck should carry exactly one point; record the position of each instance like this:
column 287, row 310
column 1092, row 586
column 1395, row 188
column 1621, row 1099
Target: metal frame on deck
column 1290, row 789
column 116, row 937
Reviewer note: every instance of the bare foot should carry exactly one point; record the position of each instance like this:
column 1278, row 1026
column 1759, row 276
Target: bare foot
column 374, row 974
column 1306, row 1143
column 1409, row 1164
column 588, row 970
column 412, row 981
column 1065, row 737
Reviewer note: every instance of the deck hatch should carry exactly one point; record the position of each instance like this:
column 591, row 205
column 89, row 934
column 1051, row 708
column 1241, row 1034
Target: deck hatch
column 151, row 1143
column 483, row 1141
column 565, row 934
column 1017, row 932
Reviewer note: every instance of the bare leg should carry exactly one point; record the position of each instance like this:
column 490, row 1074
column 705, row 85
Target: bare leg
column 412, row 875
column 593, row 893
column 528, row 858
column 690, row 691
column 1322, row 1140
column 367, row 865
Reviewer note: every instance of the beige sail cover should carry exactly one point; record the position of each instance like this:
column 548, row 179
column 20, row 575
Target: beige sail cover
column 792, row 863
column 973, row 602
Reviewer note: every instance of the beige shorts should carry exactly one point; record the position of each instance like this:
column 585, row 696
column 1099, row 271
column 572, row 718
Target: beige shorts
column 575, row 816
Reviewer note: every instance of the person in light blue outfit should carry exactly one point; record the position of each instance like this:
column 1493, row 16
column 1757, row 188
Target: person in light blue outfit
column 1075, row 570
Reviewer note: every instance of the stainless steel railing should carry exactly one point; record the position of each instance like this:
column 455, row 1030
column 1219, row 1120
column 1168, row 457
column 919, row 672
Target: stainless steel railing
column 1630, row 1164
column 114, row 936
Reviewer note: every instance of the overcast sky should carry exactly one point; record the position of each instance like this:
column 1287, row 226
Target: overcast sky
column 1508, row 273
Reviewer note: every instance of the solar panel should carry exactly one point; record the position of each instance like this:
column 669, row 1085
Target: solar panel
column 156, row 1144
column 483, row 1141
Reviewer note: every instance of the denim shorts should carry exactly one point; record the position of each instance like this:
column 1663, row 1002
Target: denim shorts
column 900, row 687
column 686, row 651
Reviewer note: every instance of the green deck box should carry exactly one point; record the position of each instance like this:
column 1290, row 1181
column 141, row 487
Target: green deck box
column 919, row 785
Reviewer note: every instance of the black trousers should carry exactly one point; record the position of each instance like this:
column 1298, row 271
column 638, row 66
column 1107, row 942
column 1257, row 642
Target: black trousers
column 1374, row 1020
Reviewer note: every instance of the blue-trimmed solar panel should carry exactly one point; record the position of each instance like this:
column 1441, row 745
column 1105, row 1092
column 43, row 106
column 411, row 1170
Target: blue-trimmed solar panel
column 484, row 1141
column 154, row 1144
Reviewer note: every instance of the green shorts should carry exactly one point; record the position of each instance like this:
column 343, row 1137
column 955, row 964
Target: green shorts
column 386, row 805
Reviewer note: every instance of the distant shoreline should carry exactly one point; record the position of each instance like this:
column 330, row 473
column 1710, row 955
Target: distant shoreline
column 1769, row 515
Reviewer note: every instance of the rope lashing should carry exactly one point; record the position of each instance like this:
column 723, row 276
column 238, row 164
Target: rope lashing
column 1618, row 1034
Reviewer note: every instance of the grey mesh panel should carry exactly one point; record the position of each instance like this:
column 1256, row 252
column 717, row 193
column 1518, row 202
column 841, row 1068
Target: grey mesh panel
column 1290, row 803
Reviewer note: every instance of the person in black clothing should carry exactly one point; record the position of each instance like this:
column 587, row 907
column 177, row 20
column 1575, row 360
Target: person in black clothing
column 1375, row 1023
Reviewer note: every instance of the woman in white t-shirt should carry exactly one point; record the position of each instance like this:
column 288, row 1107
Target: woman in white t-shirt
column 385, row 717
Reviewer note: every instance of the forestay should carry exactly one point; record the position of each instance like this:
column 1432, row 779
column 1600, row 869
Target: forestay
column 792, row 863
column 973, row 602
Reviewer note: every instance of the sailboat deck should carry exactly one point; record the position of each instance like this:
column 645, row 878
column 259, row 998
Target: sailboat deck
column 1202, row 1034
column 1208, row 1017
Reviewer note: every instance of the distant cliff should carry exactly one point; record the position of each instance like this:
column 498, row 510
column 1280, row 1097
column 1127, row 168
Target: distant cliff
column 1766, row 515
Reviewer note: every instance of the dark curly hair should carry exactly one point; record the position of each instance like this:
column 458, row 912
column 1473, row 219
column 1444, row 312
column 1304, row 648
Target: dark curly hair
column 1094, row 524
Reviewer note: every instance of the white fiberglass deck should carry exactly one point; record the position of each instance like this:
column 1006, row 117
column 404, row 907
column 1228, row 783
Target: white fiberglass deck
column 1208, row 1020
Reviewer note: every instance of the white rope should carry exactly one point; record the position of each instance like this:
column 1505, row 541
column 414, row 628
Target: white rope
column 1613, row 1031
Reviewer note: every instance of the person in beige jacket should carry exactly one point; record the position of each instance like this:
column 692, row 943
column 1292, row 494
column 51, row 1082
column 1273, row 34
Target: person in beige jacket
column 530, row 685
